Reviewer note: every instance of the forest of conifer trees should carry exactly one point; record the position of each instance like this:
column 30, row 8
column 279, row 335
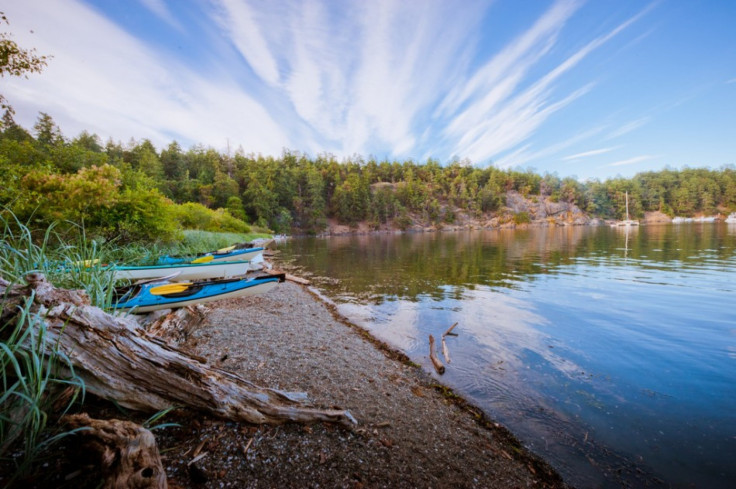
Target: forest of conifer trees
column 133, row 191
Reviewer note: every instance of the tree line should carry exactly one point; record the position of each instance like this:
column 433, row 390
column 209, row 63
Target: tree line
column 134, row 191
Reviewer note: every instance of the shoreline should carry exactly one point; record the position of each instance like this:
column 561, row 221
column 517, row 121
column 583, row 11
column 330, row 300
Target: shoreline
column 490, row 224
column 413, row 431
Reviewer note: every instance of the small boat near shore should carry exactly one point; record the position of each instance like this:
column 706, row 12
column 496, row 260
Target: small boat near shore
column 680, row 220
column 184, row 271
column 731, row 219
column 706, row 219
column 627, row 222
column 154, row 296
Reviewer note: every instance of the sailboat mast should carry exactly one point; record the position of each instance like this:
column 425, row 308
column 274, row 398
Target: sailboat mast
column 627, row 206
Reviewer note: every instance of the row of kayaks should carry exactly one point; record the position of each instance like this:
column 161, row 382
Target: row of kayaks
column 179, row 281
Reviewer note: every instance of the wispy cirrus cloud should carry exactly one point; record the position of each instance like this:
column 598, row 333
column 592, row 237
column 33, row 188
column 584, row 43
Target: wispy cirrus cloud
column 123, row 89
column 499, row 116
column 587, row 154
column 356, row 74
column 385, row 77
column 161, row 10
column 523, row 155
column 633, row 160
column 628, row 127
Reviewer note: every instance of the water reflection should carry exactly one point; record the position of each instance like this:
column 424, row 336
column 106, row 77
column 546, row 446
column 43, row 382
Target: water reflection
column 609, row 351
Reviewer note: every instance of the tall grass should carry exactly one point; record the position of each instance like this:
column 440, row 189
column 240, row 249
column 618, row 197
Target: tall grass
column 64, row 263
column 38, row 379
column 195, row 241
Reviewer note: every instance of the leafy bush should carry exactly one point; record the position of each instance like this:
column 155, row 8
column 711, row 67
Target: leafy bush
column 522, row 218
column 196, row 216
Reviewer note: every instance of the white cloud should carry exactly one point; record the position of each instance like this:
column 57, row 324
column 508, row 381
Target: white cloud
column 586, row 154
column 631, row 161
column 103, row 80
column 628, row 127
column 498, row 117
column 159, row 8
column 240, row 22
column 524, row 155
column 398, row 78
column 360, row 82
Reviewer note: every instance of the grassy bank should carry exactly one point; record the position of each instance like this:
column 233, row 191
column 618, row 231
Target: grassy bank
column 37, row 386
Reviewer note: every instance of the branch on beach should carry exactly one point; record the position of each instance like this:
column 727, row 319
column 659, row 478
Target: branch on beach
column 118, row 360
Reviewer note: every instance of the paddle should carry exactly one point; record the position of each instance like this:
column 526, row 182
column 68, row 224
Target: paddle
column 225, row 250
column 203, row 259
column 170, row 288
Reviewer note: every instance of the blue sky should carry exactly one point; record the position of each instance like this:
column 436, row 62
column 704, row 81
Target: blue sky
column 587, row 89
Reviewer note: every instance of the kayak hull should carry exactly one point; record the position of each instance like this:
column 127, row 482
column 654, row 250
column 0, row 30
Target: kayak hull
column 186, row 271
column 217, row 256
column 145, row 300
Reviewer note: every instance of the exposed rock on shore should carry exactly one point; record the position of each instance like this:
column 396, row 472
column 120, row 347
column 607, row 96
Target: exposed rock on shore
column 537, row 211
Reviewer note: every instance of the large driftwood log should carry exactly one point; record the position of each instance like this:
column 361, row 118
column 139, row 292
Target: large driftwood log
column 119, row 361
column 175, row 327
column 128, row 455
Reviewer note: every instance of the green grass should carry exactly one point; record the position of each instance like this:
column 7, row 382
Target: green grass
column 199, row 241
column 36, row 377
column 23, row 250
column 190, row 242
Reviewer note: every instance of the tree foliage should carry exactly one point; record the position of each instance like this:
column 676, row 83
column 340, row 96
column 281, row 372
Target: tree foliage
column 132, row 191
column 16, row 61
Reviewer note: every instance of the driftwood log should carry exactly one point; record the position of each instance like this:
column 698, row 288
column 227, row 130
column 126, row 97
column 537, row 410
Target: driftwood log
column 127, row 452
column 119, row 361
column 173, row 326
column 433, row 356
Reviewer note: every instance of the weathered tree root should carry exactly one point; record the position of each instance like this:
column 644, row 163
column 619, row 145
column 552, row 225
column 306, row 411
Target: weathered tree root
column 127, row 452
column 119, row 361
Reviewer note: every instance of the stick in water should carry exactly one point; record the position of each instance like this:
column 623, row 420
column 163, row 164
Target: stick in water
column 449, row 331
column 435, row 361
column 445, row 350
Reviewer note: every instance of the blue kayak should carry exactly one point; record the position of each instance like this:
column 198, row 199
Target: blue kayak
column 154, row 296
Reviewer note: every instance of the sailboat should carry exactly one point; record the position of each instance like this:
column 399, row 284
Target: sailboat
column 628, row 222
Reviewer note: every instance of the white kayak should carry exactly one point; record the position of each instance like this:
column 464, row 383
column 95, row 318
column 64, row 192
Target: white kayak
column 184, row 271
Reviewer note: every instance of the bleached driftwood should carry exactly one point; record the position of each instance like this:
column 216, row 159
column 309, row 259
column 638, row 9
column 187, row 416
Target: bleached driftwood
column 175, row 326
column 119, row 361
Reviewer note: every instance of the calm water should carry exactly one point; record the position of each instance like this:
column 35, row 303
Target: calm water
column 612, row 354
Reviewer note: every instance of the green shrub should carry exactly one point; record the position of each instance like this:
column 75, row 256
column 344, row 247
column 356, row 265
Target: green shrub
column 522, row 218
column 196, row 216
